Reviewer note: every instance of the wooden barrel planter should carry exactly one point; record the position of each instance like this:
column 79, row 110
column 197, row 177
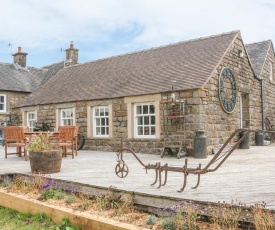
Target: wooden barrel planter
column 48, row 161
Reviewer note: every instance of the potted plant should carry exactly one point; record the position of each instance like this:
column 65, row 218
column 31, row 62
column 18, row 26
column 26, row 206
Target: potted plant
column 44, row 154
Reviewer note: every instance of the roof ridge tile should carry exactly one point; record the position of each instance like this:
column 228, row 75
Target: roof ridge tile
column 254, row 43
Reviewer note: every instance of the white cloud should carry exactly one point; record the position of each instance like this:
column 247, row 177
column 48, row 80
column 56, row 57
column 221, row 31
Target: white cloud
column 109, row 27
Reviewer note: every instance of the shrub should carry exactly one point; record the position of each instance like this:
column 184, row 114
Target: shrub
column 41, row 142
column 169, row 224
column 69, row 199
column 151, row 220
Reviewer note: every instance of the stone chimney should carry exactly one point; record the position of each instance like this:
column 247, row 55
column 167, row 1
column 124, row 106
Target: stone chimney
column 71, row 55
column 20, row 57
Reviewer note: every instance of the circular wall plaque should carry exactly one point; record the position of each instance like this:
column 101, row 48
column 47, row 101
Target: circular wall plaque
column 227, row 90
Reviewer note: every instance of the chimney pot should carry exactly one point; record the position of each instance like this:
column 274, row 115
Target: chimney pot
column 19, row 49
column 72, row 45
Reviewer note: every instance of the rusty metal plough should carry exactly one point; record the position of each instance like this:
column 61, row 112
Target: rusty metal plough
column 122, row 169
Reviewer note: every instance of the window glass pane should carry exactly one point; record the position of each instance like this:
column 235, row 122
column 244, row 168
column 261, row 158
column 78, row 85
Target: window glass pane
column 146, row 120
column 102, row 130
column 146, row 130
column 106, row 111
column 101, row 111
column 70, row 114
column 140, row 130
column 145, row 109
column 107, row 121
column 107, row 130
column 63, row 113
column 98, row 131
column 153, row 122
column 2, row 99
column 103, row 121
column 1, row 107
column 138, row 109
column 96, row 112
column 97, row 121
column 153, row 130
column 152, row 109
column 140, row 120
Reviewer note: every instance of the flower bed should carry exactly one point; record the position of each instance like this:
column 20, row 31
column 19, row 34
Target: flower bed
column 112, row 210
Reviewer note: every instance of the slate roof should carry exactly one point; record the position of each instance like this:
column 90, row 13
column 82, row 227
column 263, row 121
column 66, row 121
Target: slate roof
column 189, row 64
column 20, row 80
column 257, row 53
column 52, row 70
column 17, row 79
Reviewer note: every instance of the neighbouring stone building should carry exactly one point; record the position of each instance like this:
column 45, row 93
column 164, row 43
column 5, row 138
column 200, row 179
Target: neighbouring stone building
column 17, row 81
column 262, row 57
column 214, row 79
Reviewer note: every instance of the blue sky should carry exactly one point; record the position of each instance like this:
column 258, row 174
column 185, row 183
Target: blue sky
column 104, row 28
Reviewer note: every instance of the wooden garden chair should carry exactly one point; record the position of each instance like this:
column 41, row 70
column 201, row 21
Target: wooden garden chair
column 67, row 139
column 14, row 137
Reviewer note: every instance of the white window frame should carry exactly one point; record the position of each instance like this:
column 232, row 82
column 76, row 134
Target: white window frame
column 4, row 103
column 101, row 121
column 142, row 115
column 271, row 71
column 31, row 122
column 67, row 120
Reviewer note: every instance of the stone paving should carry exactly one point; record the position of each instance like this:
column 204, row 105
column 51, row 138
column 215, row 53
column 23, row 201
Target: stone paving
column 247, row 176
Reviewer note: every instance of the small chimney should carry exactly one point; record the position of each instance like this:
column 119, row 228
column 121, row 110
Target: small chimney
column 20, row 57
column 71, row 55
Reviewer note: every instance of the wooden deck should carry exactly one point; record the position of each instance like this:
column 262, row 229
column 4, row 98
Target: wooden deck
column 248, row 175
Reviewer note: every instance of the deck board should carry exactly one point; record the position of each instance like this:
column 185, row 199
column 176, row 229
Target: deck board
column 247, row 176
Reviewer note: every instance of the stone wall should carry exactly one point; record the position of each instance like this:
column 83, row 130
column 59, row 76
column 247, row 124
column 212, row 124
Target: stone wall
column 203, row 111
column 219, row 124
column 269, row 87
column 12, row 98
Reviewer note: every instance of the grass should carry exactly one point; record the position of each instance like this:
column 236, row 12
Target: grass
column 11, row 219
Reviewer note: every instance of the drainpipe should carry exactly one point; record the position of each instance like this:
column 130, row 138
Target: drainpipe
column 259, row 137
column 262, row 100
column 262, row 104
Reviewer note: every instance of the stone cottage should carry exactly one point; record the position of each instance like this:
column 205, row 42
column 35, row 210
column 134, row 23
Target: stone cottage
column 202, row 84
column 17, row 81
column 262, row 58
